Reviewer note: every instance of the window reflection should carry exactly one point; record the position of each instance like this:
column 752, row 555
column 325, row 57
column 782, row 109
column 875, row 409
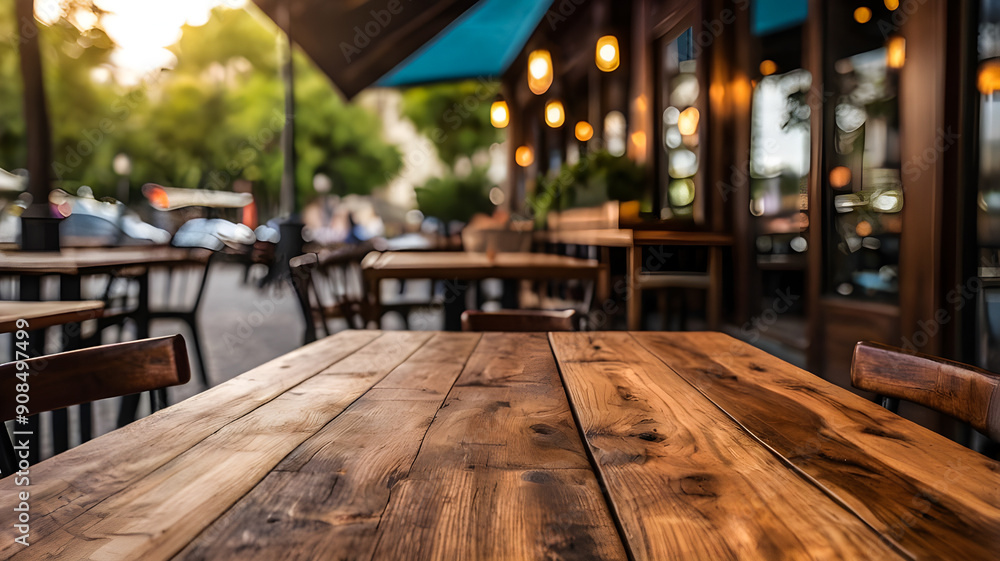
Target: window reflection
column 679, row 152
column 988, row 83
column 863, row 180
column 988, row 223
column 779, row 145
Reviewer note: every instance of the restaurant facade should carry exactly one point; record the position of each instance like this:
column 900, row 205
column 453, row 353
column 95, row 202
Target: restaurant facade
column 847, row 147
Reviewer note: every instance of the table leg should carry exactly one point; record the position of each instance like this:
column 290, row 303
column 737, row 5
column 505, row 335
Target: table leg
column 714, row 287
column 603, row 287
column 31, row 291
column 511, row 292
column 130, row 403
column 454, row 304
column 633, row 298
column 374, row 297
column 69, row 291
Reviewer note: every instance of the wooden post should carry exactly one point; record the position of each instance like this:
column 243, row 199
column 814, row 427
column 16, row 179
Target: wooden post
column 39, row 231
column 288, row 200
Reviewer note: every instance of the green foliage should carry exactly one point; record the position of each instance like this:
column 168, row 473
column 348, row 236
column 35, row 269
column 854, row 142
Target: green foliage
column 214, row 118
column 596, row 178
column 13, row 152
column 453, row 198
column 455, row 116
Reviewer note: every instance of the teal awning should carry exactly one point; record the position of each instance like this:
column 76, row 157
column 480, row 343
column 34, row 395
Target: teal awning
column 482, row 42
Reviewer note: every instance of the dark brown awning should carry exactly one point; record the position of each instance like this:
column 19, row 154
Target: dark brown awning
column 356, row 42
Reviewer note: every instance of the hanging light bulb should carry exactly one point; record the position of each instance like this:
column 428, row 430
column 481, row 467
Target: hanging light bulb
column 539, row 71
column 584, row 131
column 524, row 156
column 607, row 55
column 768, row 67
column 555, row 115
column 895, row 52
column 989, row 77
column 499, row 114
column 687, row 121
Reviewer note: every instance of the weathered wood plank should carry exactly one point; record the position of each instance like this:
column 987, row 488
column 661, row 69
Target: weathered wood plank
column 934, row 497
column 46, row 314
column 325, row 499
column 72, row 482
column 501, row 473
column 156, row 516
column 686, row 481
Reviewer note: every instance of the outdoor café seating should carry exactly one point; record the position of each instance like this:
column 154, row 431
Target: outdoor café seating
column 500, row 279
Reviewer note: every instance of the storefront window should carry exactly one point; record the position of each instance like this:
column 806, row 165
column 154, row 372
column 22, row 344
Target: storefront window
column 864, row 189
column 681, row 115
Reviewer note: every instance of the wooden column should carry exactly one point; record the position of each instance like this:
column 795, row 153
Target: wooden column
column 39, row 231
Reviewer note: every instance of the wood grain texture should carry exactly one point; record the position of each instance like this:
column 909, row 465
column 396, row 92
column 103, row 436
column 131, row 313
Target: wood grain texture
column 687, row 482
column 46, row 314
column 156, row 516
column 501, row 473
column 476, row 266
column 69, row 484
column 85, row 375
column 72, row 261
column 326, row 498
column 965, row 392
column 519, row 321
column 933, row 497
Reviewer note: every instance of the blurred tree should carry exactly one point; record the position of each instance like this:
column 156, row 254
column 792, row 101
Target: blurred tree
column 452, row 198
column 215, row 117
column 455, row 116
column 13, row 153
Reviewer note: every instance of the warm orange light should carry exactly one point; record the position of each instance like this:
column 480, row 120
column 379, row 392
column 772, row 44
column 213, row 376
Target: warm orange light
column 864, row 228
column 895, row 52
column 607, row 55
column 555, row 115
column 768, row 67
column 862, row 14
column 524, row 156
column 840, row 177
column 499, row 114
column 687, row 121
column 584, row 131
column 639, row 141
column 156, row 195
column 892, row 4
column 989, row 77
column 539, row 71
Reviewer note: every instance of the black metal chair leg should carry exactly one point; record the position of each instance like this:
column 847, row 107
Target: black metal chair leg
column 199, row 352
column 8, row 459
column 129, row 409
column 60, row 431
column 86, row 422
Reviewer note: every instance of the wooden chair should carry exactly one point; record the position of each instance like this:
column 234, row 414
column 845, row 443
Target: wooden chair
column 964, row 392
column 519, row 320
column 75, row 377
column 331, row 285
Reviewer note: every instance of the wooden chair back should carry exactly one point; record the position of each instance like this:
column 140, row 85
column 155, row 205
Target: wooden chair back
column 964, row 392
column 75, row 377
column 519, row 320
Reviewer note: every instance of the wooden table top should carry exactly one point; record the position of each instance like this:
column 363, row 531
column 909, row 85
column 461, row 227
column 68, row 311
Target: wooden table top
column 73, row 261
column 464, row 265
column 424, row 445
column 623, row 237
column 46, row 314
